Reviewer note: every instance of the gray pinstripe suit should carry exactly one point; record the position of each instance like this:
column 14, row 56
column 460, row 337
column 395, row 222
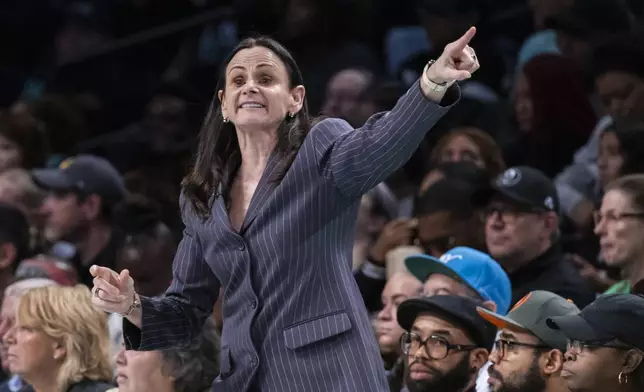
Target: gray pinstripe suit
column 294, row 319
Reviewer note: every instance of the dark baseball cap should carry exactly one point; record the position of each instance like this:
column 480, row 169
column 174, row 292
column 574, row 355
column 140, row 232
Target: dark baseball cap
column 609, row 317
column 460, row 311
column 523, row 185
column 530, row 314
column 590, row 17
column 84, row 174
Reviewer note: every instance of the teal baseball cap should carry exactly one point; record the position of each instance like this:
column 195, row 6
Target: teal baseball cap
column 475, row 269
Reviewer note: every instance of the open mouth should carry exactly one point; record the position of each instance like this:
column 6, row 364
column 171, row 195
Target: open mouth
column 251, row 105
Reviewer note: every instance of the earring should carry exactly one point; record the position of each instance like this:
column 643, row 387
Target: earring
column 622, row 378
column 226, row 119
column 291, row 115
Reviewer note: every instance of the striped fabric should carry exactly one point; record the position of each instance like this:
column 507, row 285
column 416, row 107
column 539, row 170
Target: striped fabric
column 294, row 319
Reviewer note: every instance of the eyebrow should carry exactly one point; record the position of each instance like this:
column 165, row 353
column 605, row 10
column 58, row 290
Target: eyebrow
column 261, row 65
column 438, row 332
column 507, row 336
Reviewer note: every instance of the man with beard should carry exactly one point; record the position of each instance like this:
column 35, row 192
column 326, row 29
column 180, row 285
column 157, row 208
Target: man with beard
column 445, row 343
column 528, row 356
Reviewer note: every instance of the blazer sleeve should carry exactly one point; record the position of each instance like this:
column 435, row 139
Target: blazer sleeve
column 358, row 159
column 177, row 318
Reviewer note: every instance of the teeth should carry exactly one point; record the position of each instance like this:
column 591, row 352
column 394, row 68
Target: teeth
column 252, row 105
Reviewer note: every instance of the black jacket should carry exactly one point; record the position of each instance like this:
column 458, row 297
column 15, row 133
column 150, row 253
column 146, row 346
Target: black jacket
column 552, row 271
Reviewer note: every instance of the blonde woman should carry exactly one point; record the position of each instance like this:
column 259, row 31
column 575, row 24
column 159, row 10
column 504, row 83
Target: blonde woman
column 60, row 342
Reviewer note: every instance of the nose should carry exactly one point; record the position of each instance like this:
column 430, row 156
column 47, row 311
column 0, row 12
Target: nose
column 386, row 313
column 494, row 356
column 569, row 356
column 121, row 358
column 599, row 227
column 9, row 337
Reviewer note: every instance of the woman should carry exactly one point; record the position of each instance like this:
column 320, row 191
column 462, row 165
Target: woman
column 23, row 142
column 469, row 144
column 59, row 341
column 270, row 211
column 619, row 224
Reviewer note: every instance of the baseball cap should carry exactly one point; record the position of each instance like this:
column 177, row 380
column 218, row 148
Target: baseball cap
column 460, row 311
column 530, row 314
column 471, row 267
column 41, row 266
column 523, row 185
column 85, row 174
column 589, row 17
column 609, row 317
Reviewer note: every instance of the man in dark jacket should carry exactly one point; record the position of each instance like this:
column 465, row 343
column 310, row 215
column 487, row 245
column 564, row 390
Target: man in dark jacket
column 522, row 234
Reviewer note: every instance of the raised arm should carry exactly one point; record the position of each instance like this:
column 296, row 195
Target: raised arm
column 359, row 159
column 173, row 320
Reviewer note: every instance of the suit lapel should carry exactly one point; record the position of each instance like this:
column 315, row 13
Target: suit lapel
column 265, row 189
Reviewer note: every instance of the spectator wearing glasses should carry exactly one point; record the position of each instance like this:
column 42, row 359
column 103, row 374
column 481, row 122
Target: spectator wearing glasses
column 528, row 355
column 605, row 345
column 619, row 224
column 522, row 234
column 445, row 343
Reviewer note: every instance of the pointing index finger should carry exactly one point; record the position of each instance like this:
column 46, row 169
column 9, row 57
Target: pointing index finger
column 465, row 39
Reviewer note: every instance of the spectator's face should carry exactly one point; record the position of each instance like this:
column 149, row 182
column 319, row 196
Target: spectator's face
column 513, row 235
column 343, row 96
column 64, row 217
column 141, row 371
column 398, row 288
column 30, row 351
column 257, row 92
column 592, row 369
column 461, row 148
column 439, row 284
column 517, row 368
column 9, row 154
column 149, row 260
column 614, row 89
column 452, row 373
column 609, row 159
column 7, row 320
column 619, row 235
column 523, row 106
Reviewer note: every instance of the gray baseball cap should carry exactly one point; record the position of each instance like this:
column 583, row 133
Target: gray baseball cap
column 530, row 314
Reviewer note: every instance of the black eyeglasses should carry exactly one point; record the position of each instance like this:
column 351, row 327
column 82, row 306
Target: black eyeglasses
column 437, row 347
column 502, row 346
column 579, row 347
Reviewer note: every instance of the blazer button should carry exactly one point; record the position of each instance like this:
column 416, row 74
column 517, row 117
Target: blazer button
column 253, row 304
column 241, row 245
column 254, row 362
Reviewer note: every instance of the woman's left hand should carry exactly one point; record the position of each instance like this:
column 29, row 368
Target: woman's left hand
column 457, row 62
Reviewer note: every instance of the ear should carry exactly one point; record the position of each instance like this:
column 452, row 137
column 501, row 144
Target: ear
column 297, row 99
column 489, row 305
column 478, row 358
column 552, row 362
column 8, row 255
column 59, row 351
column 92, row 206
column 552, row 222
column 632, row 360
column 222, row 99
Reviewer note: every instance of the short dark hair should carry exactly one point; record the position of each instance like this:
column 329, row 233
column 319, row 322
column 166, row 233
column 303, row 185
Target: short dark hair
column 194, row 367
column 14, row 229
column 631, row 145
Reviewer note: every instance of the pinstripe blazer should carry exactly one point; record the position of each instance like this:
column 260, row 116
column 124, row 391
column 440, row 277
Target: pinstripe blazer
column 294, row 319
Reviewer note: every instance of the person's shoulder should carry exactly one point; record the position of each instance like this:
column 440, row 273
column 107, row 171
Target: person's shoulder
column 326, row 130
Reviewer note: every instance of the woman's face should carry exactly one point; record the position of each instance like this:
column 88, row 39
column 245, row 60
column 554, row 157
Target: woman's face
column 593, row 369
column 140, row 371
column 523, row 106
column 609, row 158
column 9, row 154
column 461, row 148
column 618, row 230
column 30, row 351
column 257, row 94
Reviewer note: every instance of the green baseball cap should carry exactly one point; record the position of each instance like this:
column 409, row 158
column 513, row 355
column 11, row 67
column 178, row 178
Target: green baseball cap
column 530, row 314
